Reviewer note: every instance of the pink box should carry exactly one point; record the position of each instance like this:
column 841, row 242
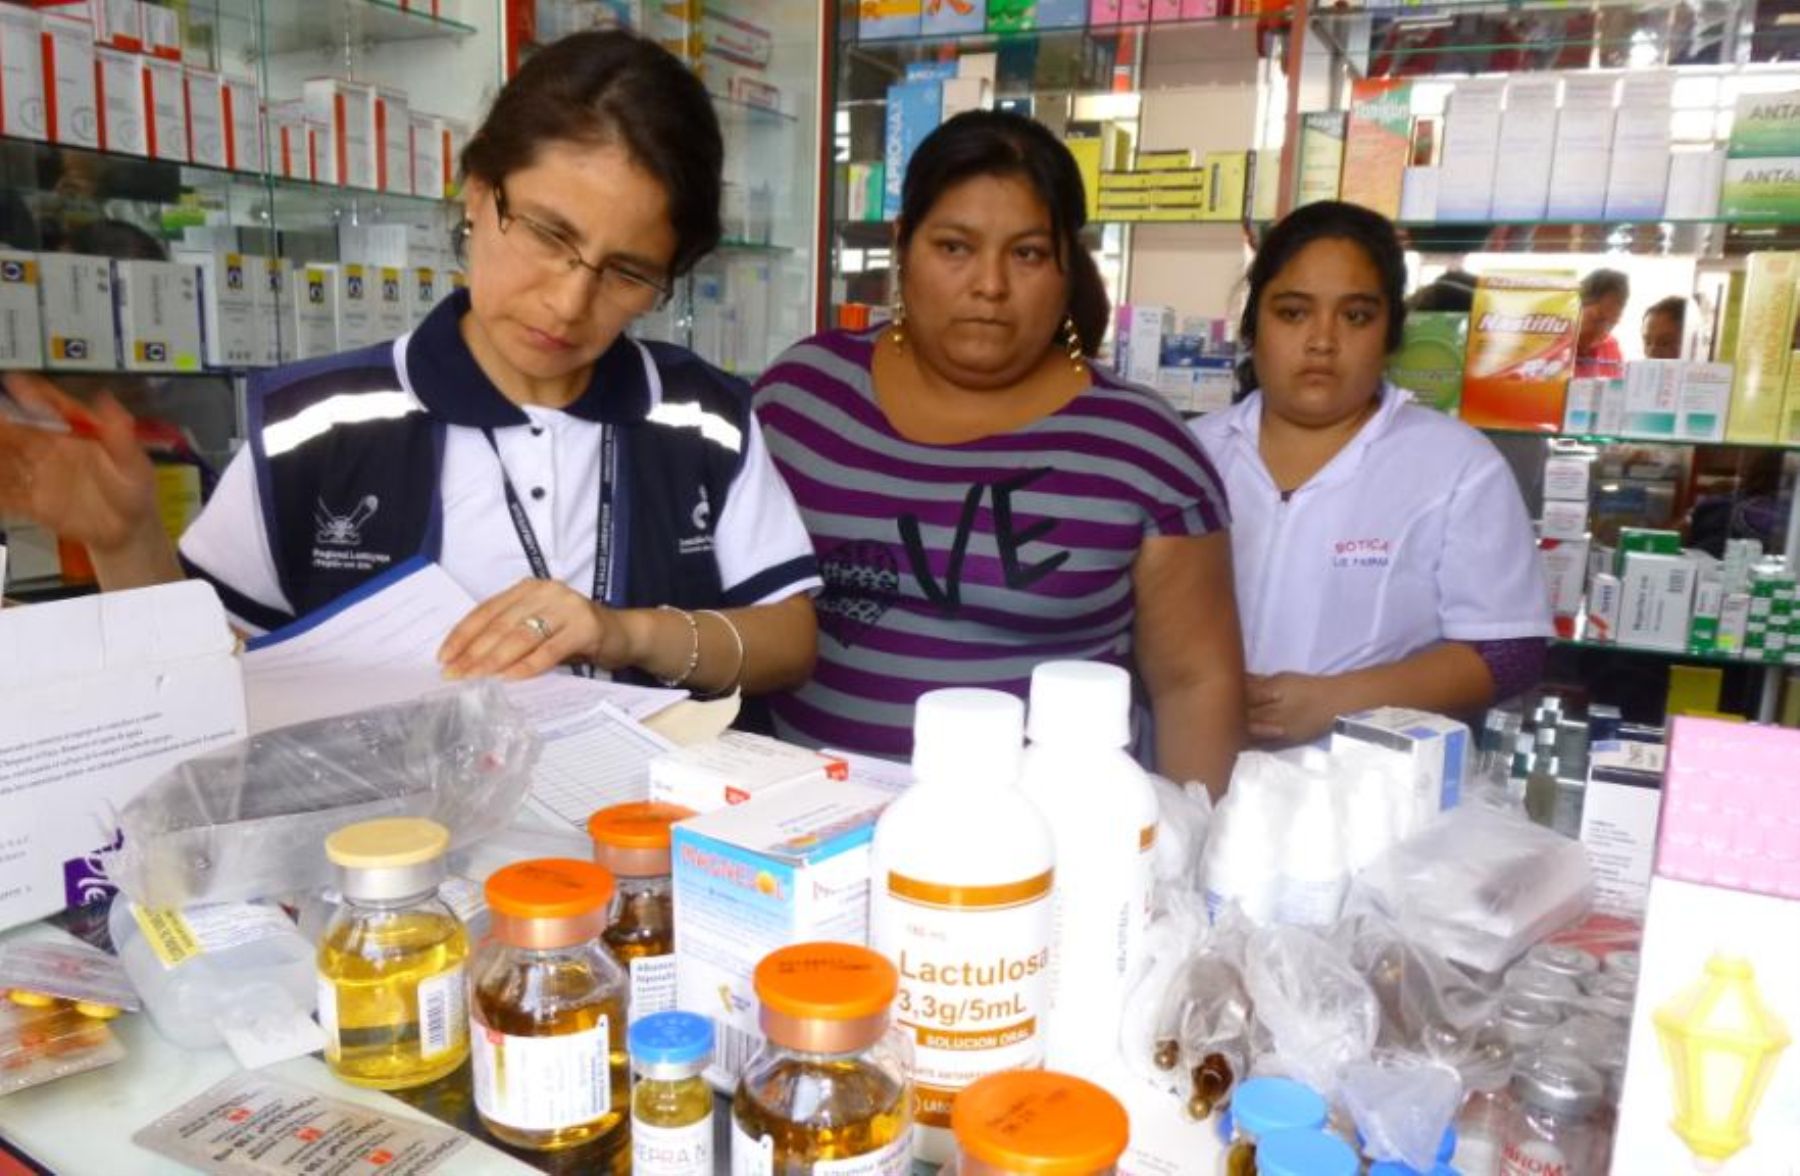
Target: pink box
column 1103, row 12
column 1199, row 9
column 1134, row 11
column 1165, row 9
column 70, row 114
column 1724, row 781
column 119, row 94
column 165, row 105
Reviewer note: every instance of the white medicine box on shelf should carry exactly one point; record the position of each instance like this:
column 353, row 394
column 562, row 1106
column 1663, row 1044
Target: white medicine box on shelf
column 314, row 300
column 233, row 332
column 165, row 91
column 71, row 115
column 77, row 299
column 21, row 73
column 348, row 110
column 20, row 342
column 159, row 315
column 124, row 126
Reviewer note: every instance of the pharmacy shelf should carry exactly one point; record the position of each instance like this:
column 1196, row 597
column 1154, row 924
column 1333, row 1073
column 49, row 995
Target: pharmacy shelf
column 329, row 25
column 1660, row 236
column 1686, row 656
column 1600, row 439
column 736, row 110
column 989, row 38
column 735, row 245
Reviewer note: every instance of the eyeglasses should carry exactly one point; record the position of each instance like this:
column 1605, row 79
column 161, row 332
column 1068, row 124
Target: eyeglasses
column 547, row 248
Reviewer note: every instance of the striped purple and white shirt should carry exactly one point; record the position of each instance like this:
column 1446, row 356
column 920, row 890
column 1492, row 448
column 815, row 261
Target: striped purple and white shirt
column 966, row 565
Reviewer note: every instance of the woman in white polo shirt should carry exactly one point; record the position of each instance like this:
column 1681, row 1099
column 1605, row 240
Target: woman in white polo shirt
column 610, row 502
column 1382, row 550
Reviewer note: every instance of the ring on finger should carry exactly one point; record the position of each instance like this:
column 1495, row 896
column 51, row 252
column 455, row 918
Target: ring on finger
column 539, row 626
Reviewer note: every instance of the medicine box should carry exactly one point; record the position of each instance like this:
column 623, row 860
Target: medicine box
column 1765, row 125
column 1764, row 337
column 289, row 154
column 357, row 326
column 1583, row 154
column 158, row 315
column 21, row 73
column 734, row 768
column 165, row 102
column 1565, row 571
column 1431, row 750
column 1567, row 477
column 1321, row 155
column 206, row 118
column 1734, row 622
column 1638, row 175
column 1609, row 406
column 71, row 116
column 428, row 166
column 427, row 288
column 269, row 294
column 315, row 310
column 119, row 78
column 1527, row 141
column 21, row 344
column 391, row 319
column 1521, row 353
column 1375, row 144
column 1657, row 593
column 162, row 32
column 1704, row 400
column 228, row 302
column 243, row 123
column 393, row 131
column 914, row 109
column 348, row 110
column 1471, row 145
column 786, row 867
column 1652, row 398
column 76, row 294
column 1604, row 597
column 1579, row 405
column 1563, row 519
column 119, row 23
column 1618, row 823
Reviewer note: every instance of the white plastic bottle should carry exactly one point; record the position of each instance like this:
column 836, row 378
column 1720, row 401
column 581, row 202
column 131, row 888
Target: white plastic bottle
column 1313, row 877
column 1241, row 863
column 1093, row 796
column 960, row 901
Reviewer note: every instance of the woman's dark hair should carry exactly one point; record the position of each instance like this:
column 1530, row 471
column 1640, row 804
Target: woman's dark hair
column 1323, row 221
column 1674, row 306
column 998, row 143
column 1602, row 282
column 613, row 88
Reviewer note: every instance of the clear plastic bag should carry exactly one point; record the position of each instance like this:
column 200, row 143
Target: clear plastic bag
column 1478, row 886
column 1184, row 815
column 1428, row 1006
column 1319, row 1012
column 1402, row 1106
column 250, row 821
column 1186, row 1028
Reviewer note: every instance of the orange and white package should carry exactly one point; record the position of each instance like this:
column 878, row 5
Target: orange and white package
column 40, row 1043
column 1521, row 352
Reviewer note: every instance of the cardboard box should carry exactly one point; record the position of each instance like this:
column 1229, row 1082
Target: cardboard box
column 120, row 92
column 233, row 334
column 962, row 94
column 269, row 293
column 119, row 23
column 428, row 163
column 1652, row 398
column 159, row 315
column 356, row 299
column 913, row 111
column 1431, row 750
column 315, row 310
column 162, row 32
column 289, row 153
column 21, row 338
column 206, row 118
column 942, row 19
column 882, row 19
column 1609, row 406
column 1227, row 180
column 1521, row 351
column 243, row 123
column 1471, row 145
column 1419, row 194
column 165, row 106
column 348, row 157
column 1568, row 477
column 1527, row 143
column 427, row 288
column 1734, row 622
column 1618, row 823
column 1567, row 520
column 1376, row 144
column 1695, row 180
column 1703, row 626
column 393, row 133
column 1705, row 398
column 1764, row 336
column 1321, row 156
column 1565, row 569
column 1638, row 177
column 1757, row 189
column 76, row 295
column 21, row 73
column 1138, row 335
column 71, row 115
column 1605, row 596
column 790, row 866
column 1429, row 364
column 98, row 696
column 1765, row 126
column 734, row 768
column 391, row 320
column 1657, row 601
column 1583, row 153
column 1580, row 404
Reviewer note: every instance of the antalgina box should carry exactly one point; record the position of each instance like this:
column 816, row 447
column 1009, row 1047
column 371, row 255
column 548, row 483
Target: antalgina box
column 1765, row 126
column 786, row 867
column 1521, row 351
column 20, row 343
column 77, row 294
column 159, row 315
column 1757, row 188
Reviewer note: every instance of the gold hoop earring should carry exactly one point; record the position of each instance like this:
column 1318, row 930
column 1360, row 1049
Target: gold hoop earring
column 1072, row 342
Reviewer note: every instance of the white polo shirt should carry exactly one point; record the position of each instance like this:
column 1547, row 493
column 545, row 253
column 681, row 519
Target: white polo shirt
column 555, row 468
column 1415, row 533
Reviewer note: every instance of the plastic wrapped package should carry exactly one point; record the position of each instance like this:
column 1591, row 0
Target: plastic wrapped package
column 251, row 821
column 1184, row 815
column 1428, row 1006
column 1478, row 886
column 43, row 1042
column 1186, row 1027
column 1319, row 1012
column 1402, row 1106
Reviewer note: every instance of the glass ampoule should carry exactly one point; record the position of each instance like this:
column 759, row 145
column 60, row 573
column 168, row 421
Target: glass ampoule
column 632, row 841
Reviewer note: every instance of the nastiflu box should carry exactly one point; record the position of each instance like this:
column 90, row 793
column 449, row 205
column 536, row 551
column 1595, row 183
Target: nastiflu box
column 1521, row 351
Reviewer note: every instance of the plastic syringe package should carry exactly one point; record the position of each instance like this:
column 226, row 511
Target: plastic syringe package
column 250, row 821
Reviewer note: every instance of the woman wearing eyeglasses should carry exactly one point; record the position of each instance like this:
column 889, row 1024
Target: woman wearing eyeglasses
column 610, row 502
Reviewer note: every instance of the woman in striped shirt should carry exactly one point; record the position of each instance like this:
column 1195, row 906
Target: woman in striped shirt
column 980, row 497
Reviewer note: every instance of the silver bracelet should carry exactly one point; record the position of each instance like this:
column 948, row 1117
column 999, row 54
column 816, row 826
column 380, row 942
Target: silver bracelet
column 737, row 639
column 693, row 660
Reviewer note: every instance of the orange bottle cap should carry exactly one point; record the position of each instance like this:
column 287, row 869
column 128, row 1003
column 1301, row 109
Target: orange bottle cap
column 1040, row 1122
column 549, row 902
column 825, row 997
column 633, row 839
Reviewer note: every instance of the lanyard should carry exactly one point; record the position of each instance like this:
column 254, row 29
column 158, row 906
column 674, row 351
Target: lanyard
column 534, row 551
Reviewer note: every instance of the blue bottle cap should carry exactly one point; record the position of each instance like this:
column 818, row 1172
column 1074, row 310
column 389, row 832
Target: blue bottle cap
column 1396, row 1168
column 670, row 1039
column 1265, row 1105
column 1304, row 1153
column 1446, row 1149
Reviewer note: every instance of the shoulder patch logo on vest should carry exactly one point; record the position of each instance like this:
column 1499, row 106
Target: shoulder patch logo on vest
column 701, row 517
column 344, row 530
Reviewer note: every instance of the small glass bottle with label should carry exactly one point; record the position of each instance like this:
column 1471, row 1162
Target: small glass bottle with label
column 1039, row 1122
column 826, row 1095
column 1551, row 1125
column 547, row 1014
column 1263, row 1106
column 391, row 982
column 632, row 841
column 671, row 1104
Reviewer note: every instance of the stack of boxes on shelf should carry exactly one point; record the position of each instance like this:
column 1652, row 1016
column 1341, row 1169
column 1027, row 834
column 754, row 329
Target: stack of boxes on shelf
column 358, row 135
column 931, row 92
column 1563, row 531
column 1193, row 367
column 1167, row 186
column 887, row 19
